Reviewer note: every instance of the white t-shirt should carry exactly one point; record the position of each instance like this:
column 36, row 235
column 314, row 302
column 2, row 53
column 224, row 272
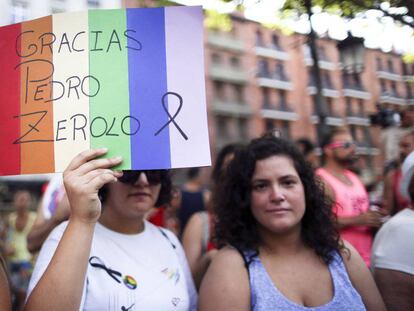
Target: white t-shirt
column 393, row 246
column 129, row 272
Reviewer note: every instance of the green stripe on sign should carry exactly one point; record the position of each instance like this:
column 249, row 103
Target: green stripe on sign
column 108, row 66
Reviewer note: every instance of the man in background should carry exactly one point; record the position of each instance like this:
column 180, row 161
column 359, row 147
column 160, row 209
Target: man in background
column 393, row 250
column 351, row 201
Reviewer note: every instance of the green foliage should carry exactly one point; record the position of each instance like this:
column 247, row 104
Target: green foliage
column 217, row 21
column 349, row 8
column 408, row 58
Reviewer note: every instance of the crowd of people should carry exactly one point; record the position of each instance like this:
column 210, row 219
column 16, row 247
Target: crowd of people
column 273, row 230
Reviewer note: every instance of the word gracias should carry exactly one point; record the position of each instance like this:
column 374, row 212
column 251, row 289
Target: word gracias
column 37, row 44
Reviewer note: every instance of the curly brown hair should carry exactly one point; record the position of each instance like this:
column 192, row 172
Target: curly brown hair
column 235, row 224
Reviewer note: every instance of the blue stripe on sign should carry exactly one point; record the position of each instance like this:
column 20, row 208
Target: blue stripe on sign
column 147, row 85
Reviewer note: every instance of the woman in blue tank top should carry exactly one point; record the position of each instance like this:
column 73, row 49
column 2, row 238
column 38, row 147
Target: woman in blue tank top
column 281, row 250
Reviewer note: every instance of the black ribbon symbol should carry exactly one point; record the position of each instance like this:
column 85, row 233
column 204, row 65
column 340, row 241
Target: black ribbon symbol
column 171, row 120
column 99, row 264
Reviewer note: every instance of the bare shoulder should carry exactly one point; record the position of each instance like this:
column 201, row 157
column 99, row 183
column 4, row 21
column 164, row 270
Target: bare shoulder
column 361, row 278
column 226, row 283
column 352, row 260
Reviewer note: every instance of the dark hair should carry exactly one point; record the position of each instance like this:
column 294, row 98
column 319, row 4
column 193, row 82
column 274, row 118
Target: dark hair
column 235, row 223
column 193, row 172
column 164, row 196
column 305, row 145
column 329, row 136
column 221, row 156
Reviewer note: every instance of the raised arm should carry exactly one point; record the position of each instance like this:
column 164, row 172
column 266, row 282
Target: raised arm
column 192, row 244
column 61, row 286
column 225, row 286
column 42, row 226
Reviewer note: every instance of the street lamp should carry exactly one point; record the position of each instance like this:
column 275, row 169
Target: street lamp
column 352, row 53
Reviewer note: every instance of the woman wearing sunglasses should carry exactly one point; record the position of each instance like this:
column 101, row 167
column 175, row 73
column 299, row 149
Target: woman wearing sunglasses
column 107, row 257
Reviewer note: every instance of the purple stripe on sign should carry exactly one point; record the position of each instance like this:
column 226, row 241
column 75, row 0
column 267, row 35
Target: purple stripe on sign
column 150, row 147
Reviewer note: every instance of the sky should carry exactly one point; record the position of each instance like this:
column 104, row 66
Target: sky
column 385, row 35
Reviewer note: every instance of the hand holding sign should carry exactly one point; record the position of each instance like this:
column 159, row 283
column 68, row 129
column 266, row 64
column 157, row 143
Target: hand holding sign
column 83, row 178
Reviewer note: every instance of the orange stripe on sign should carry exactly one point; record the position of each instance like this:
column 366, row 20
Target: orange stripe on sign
column 36, row 107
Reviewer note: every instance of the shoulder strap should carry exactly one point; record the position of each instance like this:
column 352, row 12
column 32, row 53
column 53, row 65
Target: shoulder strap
column 246, row 260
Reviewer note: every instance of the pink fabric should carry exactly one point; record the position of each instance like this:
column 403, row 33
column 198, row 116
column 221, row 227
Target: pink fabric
column 351, row 200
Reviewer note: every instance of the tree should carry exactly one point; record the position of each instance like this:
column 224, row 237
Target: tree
column 349, row 8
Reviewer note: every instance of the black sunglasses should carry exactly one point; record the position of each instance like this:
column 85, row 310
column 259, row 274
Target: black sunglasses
column 154, row 177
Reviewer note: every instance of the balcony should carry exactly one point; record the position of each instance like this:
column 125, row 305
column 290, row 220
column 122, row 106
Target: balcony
column 391, row 98
column 355, row 91
column 278, row 112
column 357, row 119
column 327, row 89
column 231, row 108
column 323, row 64
column 325, row 92
column 382, row 74
column 364, row 148
column 276, row 81
column 225, row 41
column 330, row 120
column 228, row 74
column 273, row 53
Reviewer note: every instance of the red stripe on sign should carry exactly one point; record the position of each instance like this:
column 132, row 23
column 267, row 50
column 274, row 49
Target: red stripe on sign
column 9, row 100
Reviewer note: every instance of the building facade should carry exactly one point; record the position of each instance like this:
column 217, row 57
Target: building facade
column 258, row 79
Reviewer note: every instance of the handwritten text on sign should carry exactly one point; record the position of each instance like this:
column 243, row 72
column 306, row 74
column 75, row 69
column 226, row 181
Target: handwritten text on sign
column 130, row 80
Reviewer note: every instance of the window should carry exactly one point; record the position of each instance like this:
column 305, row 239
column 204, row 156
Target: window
column 383, row 86
column 394, row 89
column 280, row 72
column 263, row 68
column 243, row 129
column 284, row 129
column 223, row 127
column 353, row 131
column 379, row 63
column 259, row 38
column 269, row 125
column 266, row 98
column 409, row 91
column 326, row 80
column 219, row 90
column 390, row 65
column 361, row 109
column 322, row 53
column 282, row 100
column 348, row 105
column 235, row 62
column 311, row 78
column 238, row 93
column 345, row 80
column 357, row 81
column 329, row 106
column 275, row 42
column 404, row 68
column 216, row 58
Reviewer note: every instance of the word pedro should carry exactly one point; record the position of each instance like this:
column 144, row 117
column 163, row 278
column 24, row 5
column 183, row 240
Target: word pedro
column 37, row 44
column 77, row 127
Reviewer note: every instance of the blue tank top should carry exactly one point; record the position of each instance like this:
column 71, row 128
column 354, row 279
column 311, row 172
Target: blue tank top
column 191, row 202
column 265, row 296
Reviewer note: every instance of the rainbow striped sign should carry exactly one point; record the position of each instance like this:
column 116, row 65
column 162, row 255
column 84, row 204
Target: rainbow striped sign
column 131, row 80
